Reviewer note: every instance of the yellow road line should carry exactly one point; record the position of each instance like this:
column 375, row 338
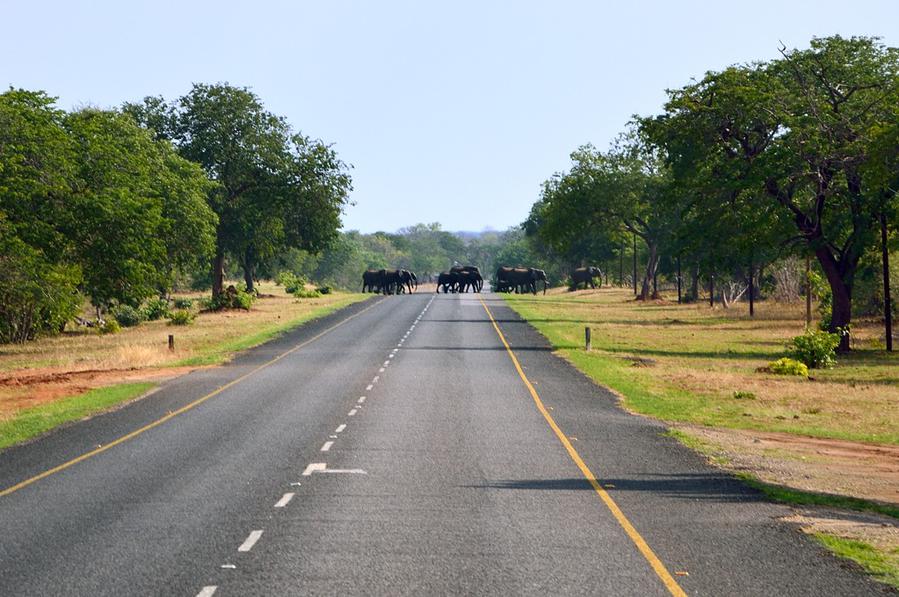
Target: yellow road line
column 635, row 536
column 175, row 413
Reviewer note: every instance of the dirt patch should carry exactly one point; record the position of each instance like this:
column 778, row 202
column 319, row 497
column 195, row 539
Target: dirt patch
column 881, row 532
column 864, row 470
column 33, row 387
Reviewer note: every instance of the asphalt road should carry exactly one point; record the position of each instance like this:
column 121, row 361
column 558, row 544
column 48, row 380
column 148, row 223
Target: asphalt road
column 393, row 448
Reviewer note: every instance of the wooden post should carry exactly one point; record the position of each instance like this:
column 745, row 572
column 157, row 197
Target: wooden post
column 887, row 306
column 808, row 291
column 172, row 342
column 587, row 339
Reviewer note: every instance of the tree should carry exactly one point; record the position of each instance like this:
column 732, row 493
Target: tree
column 795, row 132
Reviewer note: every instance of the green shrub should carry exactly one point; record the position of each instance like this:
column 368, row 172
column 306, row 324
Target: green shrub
column 184, row 303
column 127, row 316
column 156, row 309
column 110, row 326
column 815, row 348
column 821, row 289
column 290, row 281
column 181, row 317
column 740, row 395
column 231, row 298
column 303, row 293
column 787, row 366
column 324, row 289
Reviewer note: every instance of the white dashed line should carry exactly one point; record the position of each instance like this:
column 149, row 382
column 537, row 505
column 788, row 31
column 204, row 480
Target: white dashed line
column 361, row 399
column 340, row 428
column 327, row 446
column 386, row 362
column 285, row 499
column 352, row 413
column 381, row 370
column 369, row 387
column 228, row 566
column 250, row 542
column 207, row 591
column 375, row 380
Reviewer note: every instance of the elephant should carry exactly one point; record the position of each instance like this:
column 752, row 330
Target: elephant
column 519, row 279
column 373, row 280
column 469, row 277
column 585, row 275
column 449, row 281
column 407, row 281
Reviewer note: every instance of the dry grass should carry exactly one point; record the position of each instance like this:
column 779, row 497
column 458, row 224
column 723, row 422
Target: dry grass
column 686, row 362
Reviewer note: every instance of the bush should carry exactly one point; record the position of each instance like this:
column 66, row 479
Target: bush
column 323, row 290
column 290, row 281
column 127, row 316
column 303, row 293
column 740, row 395
column 815, row 348
column 156, row 309
column 786, row 366
column 231, row 298
column 110, row 326
column 181, row 317
column 184, row 303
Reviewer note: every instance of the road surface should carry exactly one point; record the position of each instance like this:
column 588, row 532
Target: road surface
column 409, row 445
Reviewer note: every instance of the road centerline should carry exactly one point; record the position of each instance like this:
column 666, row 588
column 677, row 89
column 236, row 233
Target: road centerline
column 250, row 541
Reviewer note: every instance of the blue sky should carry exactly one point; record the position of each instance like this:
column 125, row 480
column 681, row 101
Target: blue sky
column 452, row 112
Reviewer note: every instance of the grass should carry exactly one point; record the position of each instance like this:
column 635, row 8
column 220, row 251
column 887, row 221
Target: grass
column 35, row 421
column 883, row 566
column 687, row 363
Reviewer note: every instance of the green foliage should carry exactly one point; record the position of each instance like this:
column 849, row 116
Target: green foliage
column 788, row 366
column 110, row 326
column 181, row 317
column 231, row 298
column 323, row 290
column 821, row 289
column 291, row 281
column 302, row 293
column 155, row 309
column 741, row 395
column 815, row 348
column 184, row 303
column 36, row 297
column 127, row 316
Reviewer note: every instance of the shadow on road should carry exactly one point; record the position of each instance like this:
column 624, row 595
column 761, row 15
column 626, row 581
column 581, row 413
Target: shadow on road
column 709, row 486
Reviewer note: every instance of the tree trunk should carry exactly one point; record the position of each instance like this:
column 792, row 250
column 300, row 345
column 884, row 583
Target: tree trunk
column 712, row 290
column 751, row 288
column 621, row 266
column 249, row 268
column 679, row 300
column 218, row 272
column 694, row 283
column 808, row 291
column 652, row 263
column 841, row 314
column 887, row 306
column 635, row 264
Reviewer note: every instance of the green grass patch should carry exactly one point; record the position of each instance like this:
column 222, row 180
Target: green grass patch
column 34, row 421
column 884, row 567
column 216, row 354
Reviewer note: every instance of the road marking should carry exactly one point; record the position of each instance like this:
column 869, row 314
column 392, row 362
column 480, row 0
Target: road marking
column 321, row 467
column 361, row 399
column 632, row 532
column 352, row 413
column 228, row 566
column 386, row 363
column 250, row 541
column 376, row 378
column 207, row 591
column 285, row 499
column 369, row 387
column 340, row 428
column 180, row 411
column 327, row 446
column 381, row 370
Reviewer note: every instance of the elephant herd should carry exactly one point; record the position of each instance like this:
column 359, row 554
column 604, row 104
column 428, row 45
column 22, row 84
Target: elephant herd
column 389, row 281
column 460, row 278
